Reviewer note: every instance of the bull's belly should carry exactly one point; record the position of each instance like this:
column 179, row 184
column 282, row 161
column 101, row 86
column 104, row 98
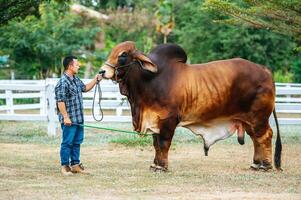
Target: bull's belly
column 210, row 132
column 215, row 131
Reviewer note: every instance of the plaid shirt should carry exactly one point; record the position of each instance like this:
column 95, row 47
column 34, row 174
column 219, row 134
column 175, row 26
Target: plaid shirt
column 70, row 90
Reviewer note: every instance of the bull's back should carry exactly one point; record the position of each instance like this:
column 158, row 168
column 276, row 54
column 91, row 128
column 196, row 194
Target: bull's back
column 223, row 88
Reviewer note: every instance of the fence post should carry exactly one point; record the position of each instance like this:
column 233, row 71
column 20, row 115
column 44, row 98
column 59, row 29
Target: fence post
column 9, row 101
column 119, row 107
column 288, row 96
column 51, row 116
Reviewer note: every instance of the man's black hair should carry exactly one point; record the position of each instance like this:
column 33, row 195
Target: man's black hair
column 67, row 61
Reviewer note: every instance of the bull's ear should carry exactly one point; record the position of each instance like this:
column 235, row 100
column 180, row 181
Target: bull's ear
column 147, row 64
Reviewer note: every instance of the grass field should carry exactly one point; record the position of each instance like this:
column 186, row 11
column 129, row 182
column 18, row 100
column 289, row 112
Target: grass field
column 119, row 163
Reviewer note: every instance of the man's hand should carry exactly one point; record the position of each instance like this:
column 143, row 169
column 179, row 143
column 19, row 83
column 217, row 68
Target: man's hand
column 62, row 108
column 90, row 85
column 98, row 77
column 67, row 121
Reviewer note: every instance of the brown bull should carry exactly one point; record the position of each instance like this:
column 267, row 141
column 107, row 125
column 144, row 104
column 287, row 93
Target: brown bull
column 213, row 100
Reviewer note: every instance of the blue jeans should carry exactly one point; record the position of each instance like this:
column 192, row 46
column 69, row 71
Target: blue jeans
column 72, row 137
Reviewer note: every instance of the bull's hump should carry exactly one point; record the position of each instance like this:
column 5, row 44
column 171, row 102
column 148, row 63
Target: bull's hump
column 168, row 52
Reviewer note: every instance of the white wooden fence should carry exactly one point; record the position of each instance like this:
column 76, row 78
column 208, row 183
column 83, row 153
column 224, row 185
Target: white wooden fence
column 115, row 106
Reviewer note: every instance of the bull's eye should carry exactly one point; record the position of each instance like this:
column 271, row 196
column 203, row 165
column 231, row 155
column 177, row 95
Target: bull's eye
column 122, row 58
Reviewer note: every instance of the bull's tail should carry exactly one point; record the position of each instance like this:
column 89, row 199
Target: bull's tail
column 278, row 147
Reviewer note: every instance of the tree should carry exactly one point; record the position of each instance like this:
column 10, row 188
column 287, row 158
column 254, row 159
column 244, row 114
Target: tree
column 137, row 25
column 164, row 18
column 204, row 40
column 17, row 8
column 281, row 16
column 10, row 9
column 37, row 45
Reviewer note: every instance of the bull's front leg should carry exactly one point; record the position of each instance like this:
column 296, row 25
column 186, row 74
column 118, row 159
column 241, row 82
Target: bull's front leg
column 156, row 139
column 162, row 144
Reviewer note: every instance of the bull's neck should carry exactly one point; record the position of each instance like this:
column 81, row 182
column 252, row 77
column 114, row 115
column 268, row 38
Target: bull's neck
column 136, row 85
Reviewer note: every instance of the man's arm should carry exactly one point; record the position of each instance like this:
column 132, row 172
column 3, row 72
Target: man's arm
column 90, row 85
column 62, row 108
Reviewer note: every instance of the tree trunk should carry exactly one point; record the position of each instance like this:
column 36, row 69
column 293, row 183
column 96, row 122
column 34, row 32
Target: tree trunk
column 88, row 70
column 165, row 39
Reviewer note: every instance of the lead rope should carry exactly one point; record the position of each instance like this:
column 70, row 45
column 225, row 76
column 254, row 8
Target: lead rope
column 112, row 129
column 97, row 87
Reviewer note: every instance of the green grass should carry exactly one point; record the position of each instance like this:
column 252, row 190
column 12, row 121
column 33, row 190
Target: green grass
column 132, row 141
column 36, row 133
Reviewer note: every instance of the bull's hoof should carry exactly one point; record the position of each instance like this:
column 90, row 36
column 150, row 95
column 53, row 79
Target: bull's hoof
column 265, row 167
column 152, row 167
column 255, row 166
column 157, row 168
column 261, row 166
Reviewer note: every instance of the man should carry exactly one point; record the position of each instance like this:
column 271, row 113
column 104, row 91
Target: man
column 68, row 94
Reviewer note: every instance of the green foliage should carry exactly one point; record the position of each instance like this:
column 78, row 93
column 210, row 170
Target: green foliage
column 11, row 9
column 26, row 101
column 137, row 25
column 164, row 18
column 296, row 69
column 205, row 40
column 2, row 102
column 164, row 12
column 38, row 45
column 18, row 8
column 283, row 77
column 281, row 16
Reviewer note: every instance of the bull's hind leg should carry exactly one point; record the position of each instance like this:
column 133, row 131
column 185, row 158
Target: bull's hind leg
column 262, row 140
column 260, row 130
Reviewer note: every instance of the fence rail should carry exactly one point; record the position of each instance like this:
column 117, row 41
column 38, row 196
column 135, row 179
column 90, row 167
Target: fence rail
column 26, row 96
